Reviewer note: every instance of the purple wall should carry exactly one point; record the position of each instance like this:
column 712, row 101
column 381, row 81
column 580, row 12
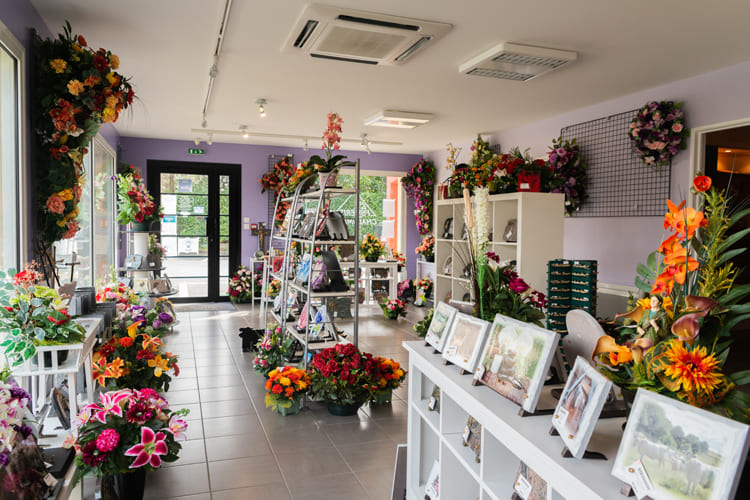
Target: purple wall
column 619, row 243
column 254, row 162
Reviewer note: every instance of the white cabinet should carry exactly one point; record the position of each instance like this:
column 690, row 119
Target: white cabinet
column 539, row 238
column 507, row 439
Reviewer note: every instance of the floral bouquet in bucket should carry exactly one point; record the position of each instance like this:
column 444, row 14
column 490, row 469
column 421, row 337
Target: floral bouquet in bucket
column 343, row 375
column 393, row 308
column 285, row 386
column 126, row 431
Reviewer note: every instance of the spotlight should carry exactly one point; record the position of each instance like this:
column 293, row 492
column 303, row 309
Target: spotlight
column 305, row 147
column 243, row 129
column 204, row 123
column 365, row 143
column 210, row 139
column 261, row 109
column 197, row 141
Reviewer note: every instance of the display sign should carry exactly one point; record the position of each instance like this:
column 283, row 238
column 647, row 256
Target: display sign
column 196, row 151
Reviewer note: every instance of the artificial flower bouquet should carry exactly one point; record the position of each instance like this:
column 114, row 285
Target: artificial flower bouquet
column 391, row 373
column 274, row 288
column 33, row 315
column 371, row 247
column 118, row 293
column 241, row 285
column 505, row 292
column 426, row 247
column 134, row 202
column 676, row 340
column 125, row 431
column 136, row 360
column 426, row 285
column 274, row 349
column 393, row 308
column 276, row 179
column 331, row 142
column 568, row 173
column 285, row 385
column 301, row 174
column 422, row 326
column 153, row 322
column 155, row 249
column 419, row 185
column 343, row 375
column 399, row 257
column 658, row 132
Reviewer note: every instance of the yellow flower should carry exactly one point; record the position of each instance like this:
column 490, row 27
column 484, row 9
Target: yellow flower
column 302, row 384
column 61, row 223
column 75, row 87
column 114, row 61
column 284, row 381
column 694, row 371
column 77, row 47
column 108, row 115
column 58, row 65
column 66, row 194
column 111, row 102
column 112, row 78
column 159, row 365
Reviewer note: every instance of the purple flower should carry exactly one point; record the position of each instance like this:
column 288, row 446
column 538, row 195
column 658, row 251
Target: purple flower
column 19, row 393
column 518, row 285
column 165, row 317
column 139, row 318
column 156, row 324
column 3, row 459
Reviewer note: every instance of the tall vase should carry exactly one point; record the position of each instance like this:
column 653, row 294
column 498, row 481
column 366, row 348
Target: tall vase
column 124, row 486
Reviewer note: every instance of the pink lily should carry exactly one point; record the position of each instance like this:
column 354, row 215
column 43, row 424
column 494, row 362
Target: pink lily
column 177, row 427
column 148, row 450
column 110, row 403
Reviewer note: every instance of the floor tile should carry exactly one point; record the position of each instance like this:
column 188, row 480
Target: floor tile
column 237, row 446
column 201, row 496
column 179, row 480
column 331, row 487
column 309, row 464
column 223, row 393
column 378, row 483
column 178, row 398
column 370, row 456
column 207, row 382
column 192, row 452
column 233, row 425
column 244, row 472
column 273, row 491
column 355, row 433
column 227, row 408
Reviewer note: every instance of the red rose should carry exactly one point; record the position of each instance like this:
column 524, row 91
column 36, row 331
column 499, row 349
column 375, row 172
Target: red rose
column 277, row 389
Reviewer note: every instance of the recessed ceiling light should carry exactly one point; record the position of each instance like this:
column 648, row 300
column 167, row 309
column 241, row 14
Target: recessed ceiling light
column 398, row 119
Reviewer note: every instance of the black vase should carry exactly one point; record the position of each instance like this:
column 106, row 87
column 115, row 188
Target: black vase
column 124, row 486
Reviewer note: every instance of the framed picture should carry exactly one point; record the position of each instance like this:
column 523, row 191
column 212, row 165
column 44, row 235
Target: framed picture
column 579, row 406
column 440, row 325
column 432, row 487
column 472, row 437
column 303, row 269
column 529, row 485
column 134, row 261
column 516, row 359
column 465, row 340
column 686, row 452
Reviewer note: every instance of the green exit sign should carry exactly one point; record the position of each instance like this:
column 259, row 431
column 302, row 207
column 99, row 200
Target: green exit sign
column 196, row 151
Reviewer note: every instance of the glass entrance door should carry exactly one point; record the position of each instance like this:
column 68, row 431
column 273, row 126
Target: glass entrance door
column 199, row 235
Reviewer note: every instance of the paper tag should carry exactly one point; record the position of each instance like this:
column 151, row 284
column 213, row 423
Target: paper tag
column 639, row 480
column 522, row 487
column 480, row 370
column 432, row 403
column 562, row 415
column 524, row 185
column 50, row 480
column 451, row 350
column 466, row 434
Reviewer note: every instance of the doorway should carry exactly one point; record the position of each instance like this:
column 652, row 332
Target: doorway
column 200, row 230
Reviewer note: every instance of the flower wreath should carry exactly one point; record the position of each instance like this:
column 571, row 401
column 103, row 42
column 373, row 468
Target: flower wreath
column 658, row 132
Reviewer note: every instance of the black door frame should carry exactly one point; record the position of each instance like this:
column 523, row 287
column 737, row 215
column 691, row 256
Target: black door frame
column 153, row 174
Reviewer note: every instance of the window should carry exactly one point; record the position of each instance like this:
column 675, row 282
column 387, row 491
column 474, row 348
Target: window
column 94, row 245
column 11, row 217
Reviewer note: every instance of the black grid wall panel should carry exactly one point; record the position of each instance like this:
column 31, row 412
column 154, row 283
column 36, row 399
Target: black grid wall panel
column 272, row 160
column 619, row 184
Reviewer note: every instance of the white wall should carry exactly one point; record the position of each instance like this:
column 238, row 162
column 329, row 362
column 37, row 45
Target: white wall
column 619, row 243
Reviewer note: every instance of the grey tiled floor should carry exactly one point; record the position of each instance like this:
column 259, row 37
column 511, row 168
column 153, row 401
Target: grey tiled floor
column 239, row 449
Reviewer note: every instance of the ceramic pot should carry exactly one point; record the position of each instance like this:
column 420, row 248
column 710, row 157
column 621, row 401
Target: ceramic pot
column 431, row 258
column 328, row 179
column 383, row 397
column 140, row 226
column 341, row 410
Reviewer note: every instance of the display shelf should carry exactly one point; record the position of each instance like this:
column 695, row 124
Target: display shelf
column 328, row 193
column 314, row 346
column 173, row 291
column 507, row 439
column 140, row 269
column 324, row 242
column 539, row 236
column 303, row 289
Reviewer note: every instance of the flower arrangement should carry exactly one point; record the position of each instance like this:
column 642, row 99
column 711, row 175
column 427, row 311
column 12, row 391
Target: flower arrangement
column 274, row 288
column 390, row 372
column 134, row 361
column 275, row 181
column 13, row 403
column 285, row 385
column 426, row 247
column 155, row 248
column 506, row 293
column 76, row 89
column 273, row 350
column 673, row 341
column 331, row 142
column 419, row 185
column 134, row 202
column 658, row 132
column 452, row 159
column 241, row 285
column 126, row 430
column 422, row 326
column 371, row 247
column 393, row 308
column 568, row 173
column 425, row 284
column 302, row 172
column 154, row 322
column 343, row 375
column 34, row 315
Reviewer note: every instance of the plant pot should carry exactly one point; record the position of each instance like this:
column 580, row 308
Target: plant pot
column 370, row 258
column 140, row 226
column 382, row 397
column 328, row 179
column 292, row 410
column 62, row 356
column 127, row 486
column 341, row 410
column 431, row 258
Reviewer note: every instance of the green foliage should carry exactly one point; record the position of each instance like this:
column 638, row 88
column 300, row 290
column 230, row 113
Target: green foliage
column 500, row 293
column 422, row 326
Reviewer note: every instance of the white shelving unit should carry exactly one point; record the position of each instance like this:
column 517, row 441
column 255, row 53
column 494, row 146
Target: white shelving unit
column 507, row 439
column 539, row 231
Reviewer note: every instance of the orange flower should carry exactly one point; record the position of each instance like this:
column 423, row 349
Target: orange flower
column 116, row 368
column 693, row 371
column 615, row 354
column 683, row 221
column 702, row 183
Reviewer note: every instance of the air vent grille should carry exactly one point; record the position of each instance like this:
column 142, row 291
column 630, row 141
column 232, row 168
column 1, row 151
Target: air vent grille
column 521, row 63
column 529, row 60
column 355, row 43
column 496, row 73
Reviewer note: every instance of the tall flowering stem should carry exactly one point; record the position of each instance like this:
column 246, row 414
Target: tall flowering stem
column 331, row 142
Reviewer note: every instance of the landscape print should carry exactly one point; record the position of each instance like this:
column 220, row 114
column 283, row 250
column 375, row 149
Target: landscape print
column 515, row 360
column 688, row 453
column 441, row 318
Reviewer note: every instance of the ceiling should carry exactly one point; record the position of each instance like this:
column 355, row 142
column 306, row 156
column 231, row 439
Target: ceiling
column 166, row 46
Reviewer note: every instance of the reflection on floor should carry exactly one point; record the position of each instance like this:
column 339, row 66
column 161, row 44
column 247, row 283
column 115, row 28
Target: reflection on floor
column 239, row 449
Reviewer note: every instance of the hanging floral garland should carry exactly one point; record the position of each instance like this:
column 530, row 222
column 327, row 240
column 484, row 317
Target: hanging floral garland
column 658, row 132
column 76, row 89
column 277, row 180
column 568, row 173
column 419, row 185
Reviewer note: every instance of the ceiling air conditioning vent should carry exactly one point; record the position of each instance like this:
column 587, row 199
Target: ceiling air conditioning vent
column 511, row 61
column 340, row 34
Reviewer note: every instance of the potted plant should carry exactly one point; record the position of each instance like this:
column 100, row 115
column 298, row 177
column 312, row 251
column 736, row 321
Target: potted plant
column 302, row 173
column 284, row 389
column 34, row 315
column 422, row 326
column 427, row 248
column 134, row 203
column 154, row 322
column 331, row 142
column 241, row 286
column 273, row 351
column 343, row 377
column 390, row 376
column 393, row 308
column 125, row 434
column 426, row 285
column 371, row 247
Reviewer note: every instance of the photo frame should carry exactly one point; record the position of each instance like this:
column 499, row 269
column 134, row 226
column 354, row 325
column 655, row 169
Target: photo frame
column 432, row 486
column 440, row 325
column 472, row 437
column 302, row 320
column 465, row 340
column 516, row 359
column 448, row 228
column 579, row 406
column 133, row 261
column 528, row 485
column 674, row 470
column 303, row 269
